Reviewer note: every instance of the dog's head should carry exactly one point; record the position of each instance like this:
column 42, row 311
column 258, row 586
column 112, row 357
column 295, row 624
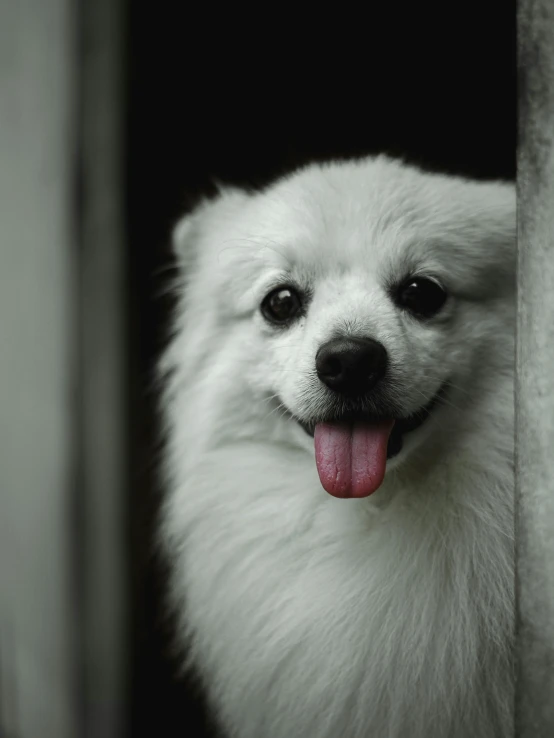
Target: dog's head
column 358, row 298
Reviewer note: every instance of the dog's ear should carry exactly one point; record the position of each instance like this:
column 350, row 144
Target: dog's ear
column 485, row 240
column 189, row 231
column 501, row 224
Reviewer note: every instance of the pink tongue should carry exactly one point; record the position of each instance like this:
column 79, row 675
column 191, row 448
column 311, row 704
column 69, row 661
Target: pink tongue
column 351, row 458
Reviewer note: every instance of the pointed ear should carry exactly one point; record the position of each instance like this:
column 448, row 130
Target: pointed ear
column 189, row 231
column 502, row 226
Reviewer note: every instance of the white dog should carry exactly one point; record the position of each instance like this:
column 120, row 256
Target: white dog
column 346, row 333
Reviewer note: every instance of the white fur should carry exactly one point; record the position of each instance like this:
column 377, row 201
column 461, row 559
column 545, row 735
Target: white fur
column 305, row 615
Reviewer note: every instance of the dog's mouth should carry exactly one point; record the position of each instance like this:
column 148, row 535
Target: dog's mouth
column 352, row 449
column 402, row 425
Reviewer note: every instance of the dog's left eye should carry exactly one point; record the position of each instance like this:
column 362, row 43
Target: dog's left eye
column 423, row 297
column 281, row 305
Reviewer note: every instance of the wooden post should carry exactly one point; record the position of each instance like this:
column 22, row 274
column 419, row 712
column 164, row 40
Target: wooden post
column 63, row 462
column 535, row 374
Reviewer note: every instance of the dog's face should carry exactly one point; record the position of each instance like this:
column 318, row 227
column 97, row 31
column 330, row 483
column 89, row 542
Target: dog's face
column 360, row 299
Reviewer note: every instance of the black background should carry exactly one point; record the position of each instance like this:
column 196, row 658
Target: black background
column 242, row 100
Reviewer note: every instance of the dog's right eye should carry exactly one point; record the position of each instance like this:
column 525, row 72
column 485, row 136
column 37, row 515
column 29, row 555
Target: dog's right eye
column 281, row 305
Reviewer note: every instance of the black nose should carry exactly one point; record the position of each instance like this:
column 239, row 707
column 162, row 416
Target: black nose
column 351, row 366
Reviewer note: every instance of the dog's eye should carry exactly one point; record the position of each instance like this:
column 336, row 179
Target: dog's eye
column 421, row 296
column 281, row 305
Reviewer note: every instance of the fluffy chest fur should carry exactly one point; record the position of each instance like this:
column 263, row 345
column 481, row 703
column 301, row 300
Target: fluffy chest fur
column 310, row 616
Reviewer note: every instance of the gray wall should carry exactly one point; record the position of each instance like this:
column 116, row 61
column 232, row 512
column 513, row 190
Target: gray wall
column 62, row 454
column 37, row 368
